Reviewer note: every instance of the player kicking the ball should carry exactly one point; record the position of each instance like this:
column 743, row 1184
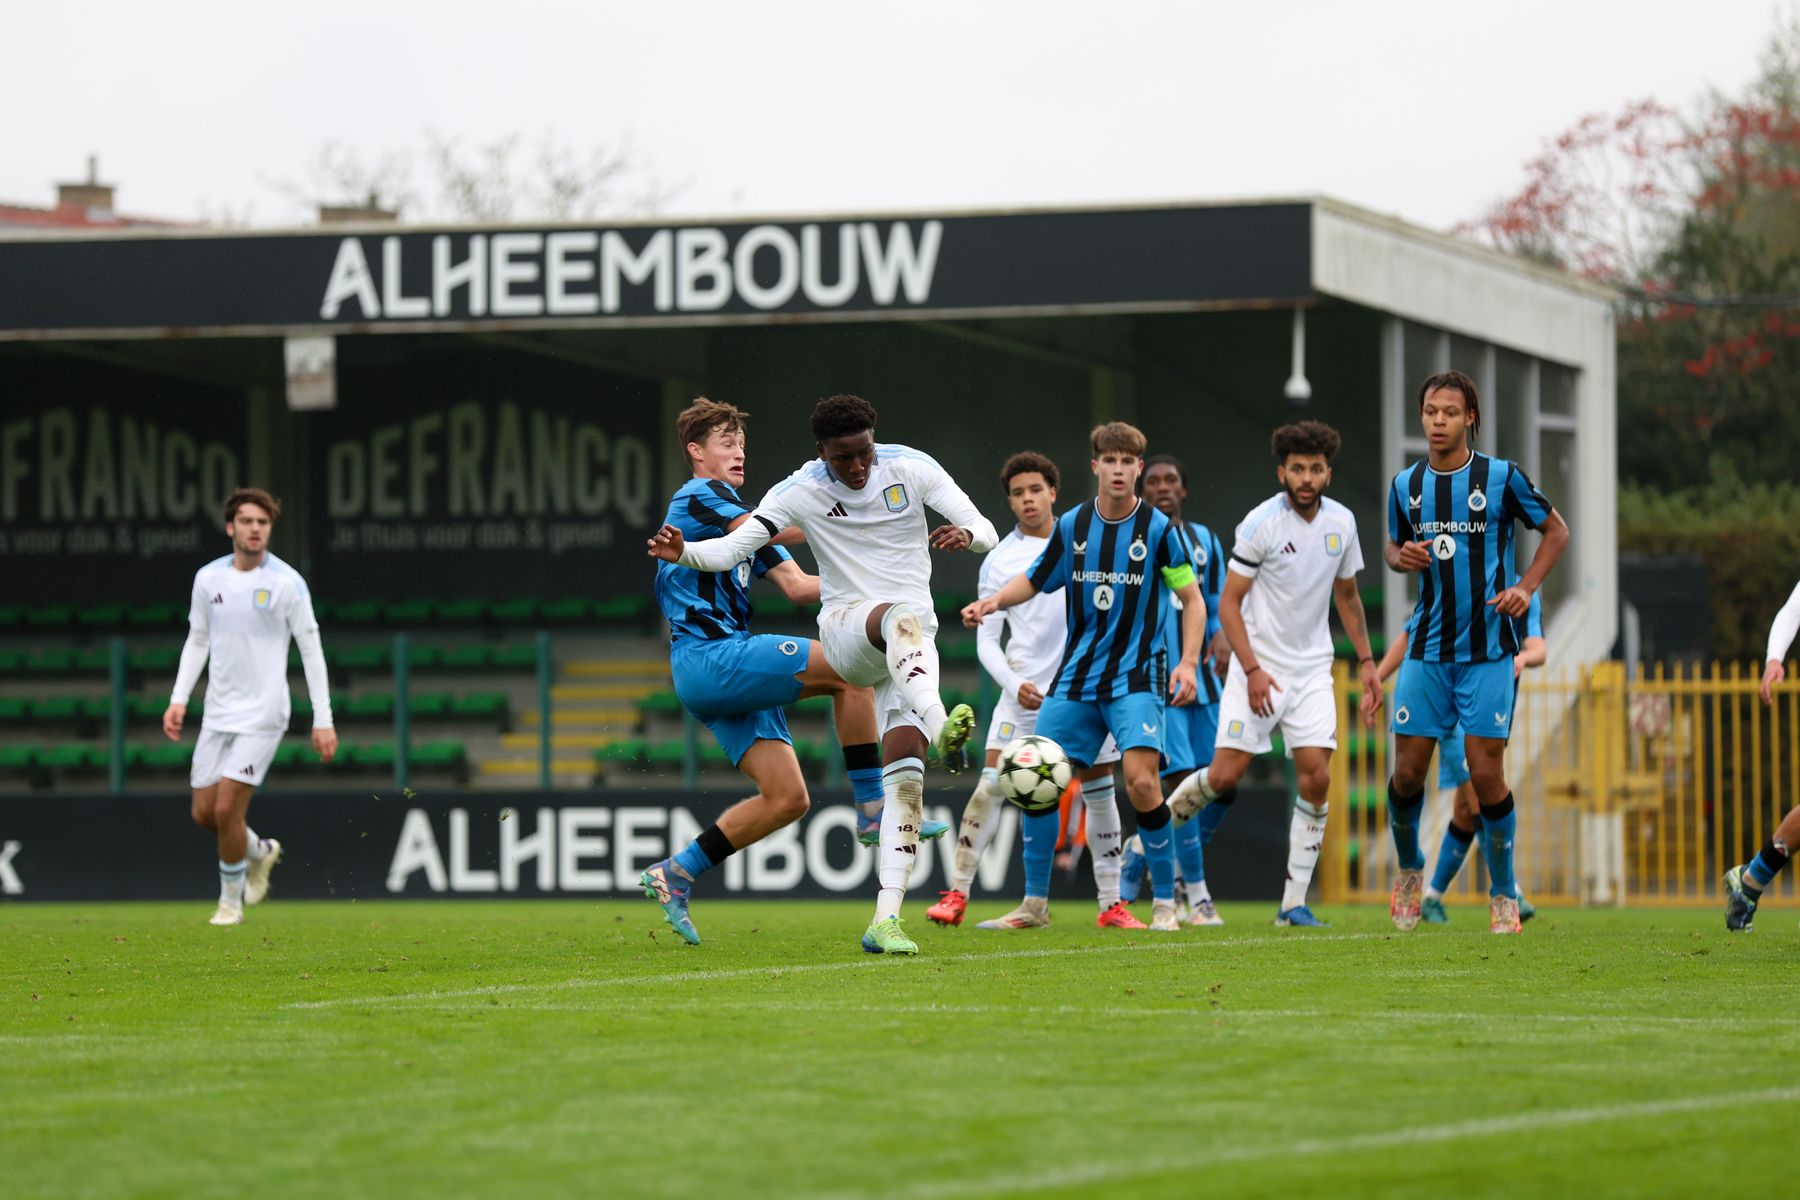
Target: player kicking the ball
column 737, row 683
column 861, row 506
column 1291, row 556
column 1117, row 559
column 1023, row 669
column 1745, row 883
column 1450, row 518
column 246, row 607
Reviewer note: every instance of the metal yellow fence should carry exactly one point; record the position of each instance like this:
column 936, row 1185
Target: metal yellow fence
column 1632, row 788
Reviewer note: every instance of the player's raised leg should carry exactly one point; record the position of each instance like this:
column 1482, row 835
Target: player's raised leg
column 912, row 662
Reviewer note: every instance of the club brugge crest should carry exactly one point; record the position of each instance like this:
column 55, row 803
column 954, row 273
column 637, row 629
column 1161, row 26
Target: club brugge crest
column 1477, row 501
column 1199, row 555
column 789, row 648
column 1138, row 551
column 261, row 598
column 1402, row 715
column 895, row 495
column 1334, row 544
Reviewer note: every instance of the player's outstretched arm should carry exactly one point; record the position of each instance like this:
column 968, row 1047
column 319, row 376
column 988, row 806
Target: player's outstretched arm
column 1355, row 620
column 1017, row 590
column 794, row 583
column 942, row 496
column 722, row 553
column 1781, row 639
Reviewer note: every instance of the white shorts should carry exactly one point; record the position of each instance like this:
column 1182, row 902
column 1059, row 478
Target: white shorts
column 862, row 663
column 244, row 757
column 1012, row 720
column 1305, row 712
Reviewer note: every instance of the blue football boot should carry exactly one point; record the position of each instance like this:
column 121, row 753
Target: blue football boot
column 1299, row 916
column 868, row 829
column 1740, row 906
column 665, row 886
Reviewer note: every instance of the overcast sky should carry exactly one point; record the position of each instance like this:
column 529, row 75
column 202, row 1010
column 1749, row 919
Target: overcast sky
column 1426, row 109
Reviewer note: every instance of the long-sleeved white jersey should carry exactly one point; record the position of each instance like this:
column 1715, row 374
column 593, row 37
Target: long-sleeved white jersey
column 870, row 542
column 243, row 620
column 1040, row 626
column 1786, row 625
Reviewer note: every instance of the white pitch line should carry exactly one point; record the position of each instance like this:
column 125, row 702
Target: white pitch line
column 1419, row 1135
column 867, row 962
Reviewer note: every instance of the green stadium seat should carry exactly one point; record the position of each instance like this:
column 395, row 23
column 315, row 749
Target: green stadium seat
column 459, row 612
column 18, row 759
column 369, row 756
column 155, row 616
column 96, row 708
column 522, row 657
column 429, row 706
column 480, row 706
column 53, row 617
column 1341, row 644
column 14, row 711
column 960, row 650
column 952, row 603
column 97, row 660
column 12, row 662
column 168, row 756
column 513, row 612
column 72, row 756
column 376, row 707
column 101, row 616
column 810, row 751
column 422, row 658
column 772, row 605
column 630, row 750
column 154, row 659
column 666, row 754
column 620, row 610
column 11, row 617
column 363, row 658
column 568, row 611
column 438, row 756
column 56, row 710
column 356, row 612
column 406, row 612
column 466, row 658
column 662, row 704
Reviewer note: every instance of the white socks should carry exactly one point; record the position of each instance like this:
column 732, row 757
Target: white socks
column 1196, row 892
column 979, row 820
column 1190, row 792
column 254, row 847
column 1104, row 838
column 231, row 883
column 912, row 659
column 903, row 781
column 1305, row 835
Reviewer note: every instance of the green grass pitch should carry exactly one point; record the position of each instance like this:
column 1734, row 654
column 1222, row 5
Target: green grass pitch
column 565, row 1048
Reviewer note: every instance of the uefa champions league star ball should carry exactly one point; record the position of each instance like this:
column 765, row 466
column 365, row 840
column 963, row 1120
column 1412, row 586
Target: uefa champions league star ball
column 1033, row 773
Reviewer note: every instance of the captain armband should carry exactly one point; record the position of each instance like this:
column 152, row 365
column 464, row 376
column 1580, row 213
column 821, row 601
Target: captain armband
column 1178, row 577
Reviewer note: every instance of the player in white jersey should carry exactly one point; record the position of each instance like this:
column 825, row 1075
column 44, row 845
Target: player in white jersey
column 862, row 509
column 1023, row 669
column 246, row 607
column 1292, row 556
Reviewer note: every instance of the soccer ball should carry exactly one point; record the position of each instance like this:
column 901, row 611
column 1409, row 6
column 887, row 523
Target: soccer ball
column 1033, row 773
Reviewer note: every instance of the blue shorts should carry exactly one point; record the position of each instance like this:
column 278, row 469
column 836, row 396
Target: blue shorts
column 737, row 687
column 1188, row 736
column 1080, row 726
column 1433, row 699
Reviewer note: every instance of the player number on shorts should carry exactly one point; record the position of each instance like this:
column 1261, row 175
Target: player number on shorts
column 1103, row 597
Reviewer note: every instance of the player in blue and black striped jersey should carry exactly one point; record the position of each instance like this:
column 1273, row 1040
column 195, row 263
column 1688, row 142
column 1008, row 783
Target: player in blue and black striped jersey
column 1190, row 730
column 1451, row 518
column 1117, row 559
column 737, row 682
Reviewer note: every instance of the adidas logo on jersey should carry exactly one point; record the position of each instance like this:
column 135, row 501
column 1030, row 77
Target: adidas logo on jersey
column 218, row 598
column 249, row 770
column 837, row 510
column 1289, row 549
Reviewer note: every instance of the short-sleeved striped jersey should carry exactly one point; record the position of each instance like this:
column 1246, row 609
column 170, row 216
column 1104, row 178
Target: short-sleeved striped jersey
column 1466, row 516
column 709, row 604
column 1531, row 625
column 1208, row 557
column 1117, row 600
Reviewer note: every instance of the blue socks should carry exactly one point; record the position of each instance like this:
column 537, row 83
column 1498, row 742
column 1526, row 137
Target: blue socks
column 1159, row 850
column 704, row 853
column 1766, row 865
column 1190, row 854
column 1451, row 853
column 1403, row 820
column 1212, row 815
column 862, row 764
column 1499, row 823
column 1037, row 832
